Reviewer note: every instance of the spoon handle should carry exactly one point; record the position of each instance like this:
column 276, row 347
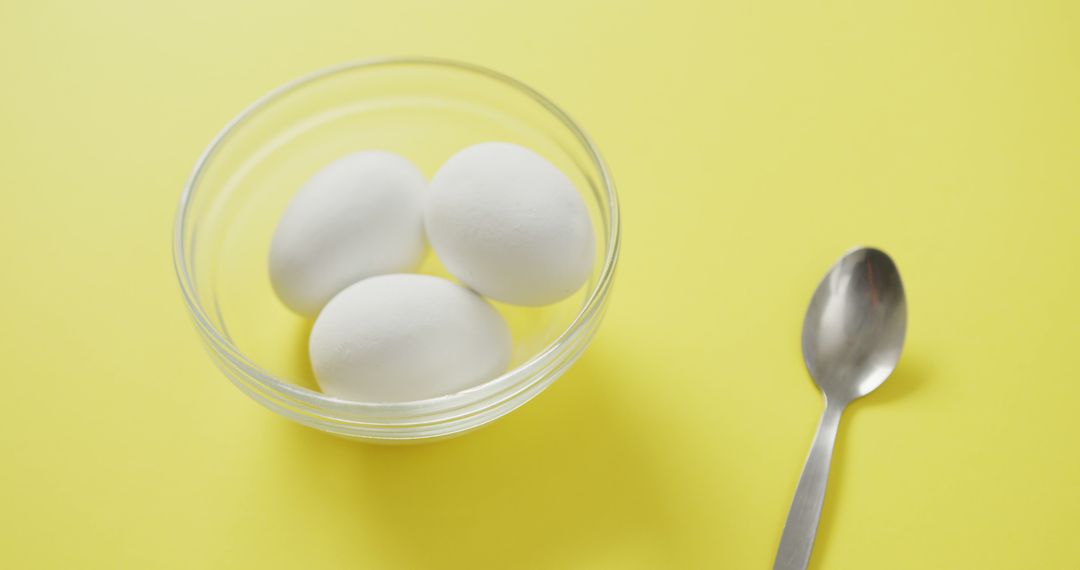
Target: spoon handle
column 802, row 520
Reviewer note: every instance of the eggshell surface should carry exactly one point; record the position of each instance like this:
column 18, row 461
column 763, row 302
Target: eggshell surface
column 361, row 215
column 396, row 338
column 510, row 225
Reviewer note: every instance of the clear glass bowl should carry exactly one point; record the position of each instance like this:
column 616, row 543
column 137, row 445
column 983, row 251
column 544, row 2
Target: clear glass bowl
column 425, row 110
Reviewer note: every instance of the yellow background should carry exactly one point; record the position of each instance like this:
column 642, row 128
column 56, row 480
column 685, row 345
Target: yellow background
column 752, row 143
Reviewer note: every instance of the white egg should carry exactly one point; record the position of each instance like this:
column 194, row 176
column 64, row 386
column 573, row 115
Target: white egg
column 396, row 338
column 362, row 215
column 510, row 225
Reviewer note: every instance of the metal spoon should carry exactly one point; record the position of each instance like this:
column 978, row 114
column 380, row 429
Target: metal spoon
column 851, row 340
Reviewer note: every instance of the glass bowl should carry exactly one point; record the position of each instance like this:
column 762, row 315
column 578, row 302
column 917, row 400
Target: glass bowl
column 425, row 110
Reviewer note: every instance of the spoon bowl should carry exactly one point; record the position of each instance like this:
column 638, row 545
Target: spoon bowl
column 855, row 324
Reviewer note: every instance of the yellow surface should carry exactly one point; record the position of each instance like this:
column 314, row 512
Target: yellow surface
column 753, row 142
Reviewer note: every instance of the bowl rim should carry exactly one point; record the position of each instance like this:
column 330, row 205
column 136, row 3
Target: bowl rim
column 388, row 414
